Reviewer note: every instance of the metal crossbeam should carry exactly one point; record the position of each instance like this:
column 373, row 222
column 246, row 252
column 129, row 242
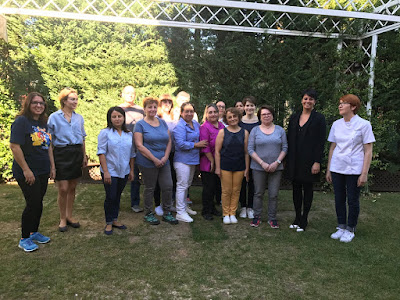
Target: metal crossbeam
column 314, row 18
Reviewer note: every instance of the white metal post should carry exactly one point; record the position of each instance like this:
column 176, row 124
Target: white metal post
column 374, row 45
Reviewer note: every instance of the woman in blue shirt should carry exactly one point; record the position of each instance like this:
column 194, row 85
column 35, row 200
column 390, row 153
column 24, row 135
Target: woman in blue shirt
column 153, row 142
column 116, row 154
column 187, row 156
column 30, row 144
column 68, row 135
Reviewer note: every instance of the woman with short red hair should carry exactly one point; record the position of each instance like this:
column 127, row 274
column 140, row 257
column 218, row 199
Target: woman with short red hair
column 350, row 156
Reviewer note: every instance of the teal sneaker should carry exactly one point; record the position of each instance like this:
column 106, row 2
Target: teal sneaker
column 40, row 238
column 151, row 219
column 27, row 245
column 168, row 217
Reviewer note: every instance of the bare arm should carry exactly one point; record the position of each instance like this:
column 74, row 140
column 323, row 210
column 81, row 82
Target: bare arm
column 20, row 159
column 212, row 161
column 167, row 150
column 85, row 161
column 363, row 178
column 328, row 172
column 143, row 150
column 131, row 165
column 52, row 164
column 246, row 155
column 103, row 163
column 218, row 147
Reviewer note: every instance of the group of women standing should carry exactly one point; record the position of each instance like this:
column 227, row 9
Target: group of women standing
column 241, row 158
column 47, row 147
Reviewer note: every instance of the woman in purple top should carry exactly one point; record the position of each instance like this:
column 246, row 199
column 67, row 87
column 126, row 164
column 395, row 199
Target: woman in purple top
column 211, row 183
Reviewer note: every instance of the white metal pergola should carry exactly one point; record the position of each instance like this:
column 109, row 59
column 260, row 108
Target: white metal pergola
column 358, row 20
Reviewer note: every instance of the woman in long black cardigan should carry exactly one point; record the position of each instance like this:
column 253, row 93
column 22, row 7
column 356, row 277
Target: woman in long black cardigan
column 306, row 138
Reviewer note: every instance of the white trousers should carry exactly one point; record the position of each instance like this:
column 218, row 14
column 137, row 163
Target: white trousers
column 184, row 177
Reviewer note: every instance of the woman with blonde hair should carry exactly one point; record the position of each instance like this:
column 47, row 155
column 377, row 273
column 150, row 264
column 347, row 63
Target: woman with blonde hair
column 68, row 134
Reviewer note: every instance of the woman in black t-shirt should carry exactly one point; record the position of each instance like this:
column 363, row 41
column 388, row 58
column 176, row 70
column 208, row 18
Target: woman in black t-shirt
column 30, row 144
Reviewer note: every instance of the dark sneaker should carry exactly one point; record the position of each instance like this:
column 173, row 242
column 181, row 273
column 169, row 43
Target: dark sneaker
column 40, row 238
column 256, row 221
column 168, row 217
column 273, row 224
column 151, row 219
column 27, row 245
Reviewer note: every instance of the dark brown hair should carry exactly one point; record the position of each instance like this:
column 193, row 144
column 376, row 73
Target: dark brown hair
column 267, row 107
column 233, row 111
column 26, row 110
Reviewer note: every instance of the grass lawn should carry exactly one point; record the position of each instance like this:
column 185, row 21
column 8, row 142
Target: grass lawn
column 201, row 260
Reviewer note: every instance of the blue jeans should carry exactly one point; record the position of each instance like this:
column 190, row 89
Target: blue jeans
column 135, row 187
column 346, row 186
column 113, row 197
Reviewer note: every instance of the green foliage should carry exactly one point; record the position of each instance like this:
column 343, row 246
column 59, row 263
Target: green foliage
column 98, row 59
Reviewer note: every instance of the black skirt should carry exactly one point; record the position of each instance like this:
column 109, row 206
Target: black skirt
column 68, row 161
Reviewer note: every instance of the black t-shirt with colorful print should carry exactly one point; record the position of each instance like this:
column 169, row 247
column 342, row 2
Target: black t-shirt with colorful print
column 34, row 140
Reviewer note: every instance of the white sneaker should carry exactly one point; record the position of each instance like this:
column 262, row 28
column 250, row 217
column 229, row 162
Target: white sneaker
column 226, row 220
column 250, row 213
column 294, row 226
column 184, row 218
column 338, row 234
column 190, row 211
column 299, row 229
column 347, row 236
column 243, row 213
column 159, row 211
column 233, row 220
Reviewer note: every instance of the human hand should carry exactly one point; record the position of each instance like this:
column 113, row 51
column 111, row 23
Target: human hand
column 52, row 173
column 107, row 178
column 158, row 163
column 131, row 176
column 218, row 172
column 362, row 180
column 201, row 144
column 247, row 175
column 29, row 177
column 328, row 176
column 316, row 168
column 265, row 166
column 272, row 167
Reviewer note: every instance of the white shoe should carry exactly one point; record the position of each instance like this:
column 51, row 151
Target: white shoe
column 190, row 211
column 250, row 213
column 338, row 234
column 159, row 211
column 347, row 236
column 243, row 213
column 226, row 220
column 233, row 220
column 184, row 218
column 294, row 226
column 299, row 229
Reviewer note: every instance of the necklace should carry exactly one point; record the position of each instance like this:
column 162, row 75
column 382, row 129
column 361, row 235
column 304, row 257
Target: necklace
column 268, row 127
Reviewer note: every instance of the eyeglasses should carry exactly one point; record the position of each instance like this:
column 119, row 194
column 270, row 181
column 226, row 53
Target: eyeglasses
column 40, row 103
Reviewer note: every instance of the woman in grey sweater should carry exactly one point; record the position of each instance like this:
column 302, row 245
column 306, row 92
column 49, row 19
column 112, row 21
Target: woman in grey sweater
column 267, row 148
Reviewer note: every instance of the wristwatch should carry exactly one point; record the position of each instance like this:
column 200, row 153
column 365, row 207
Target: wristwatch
column 278, row 161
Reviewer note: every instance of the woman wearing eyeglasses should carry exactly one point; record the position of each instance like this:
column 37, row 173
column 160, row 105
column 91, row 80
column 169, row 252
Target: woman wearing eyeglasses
column 30, row 144
column 68, row 134
column 350, row 156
